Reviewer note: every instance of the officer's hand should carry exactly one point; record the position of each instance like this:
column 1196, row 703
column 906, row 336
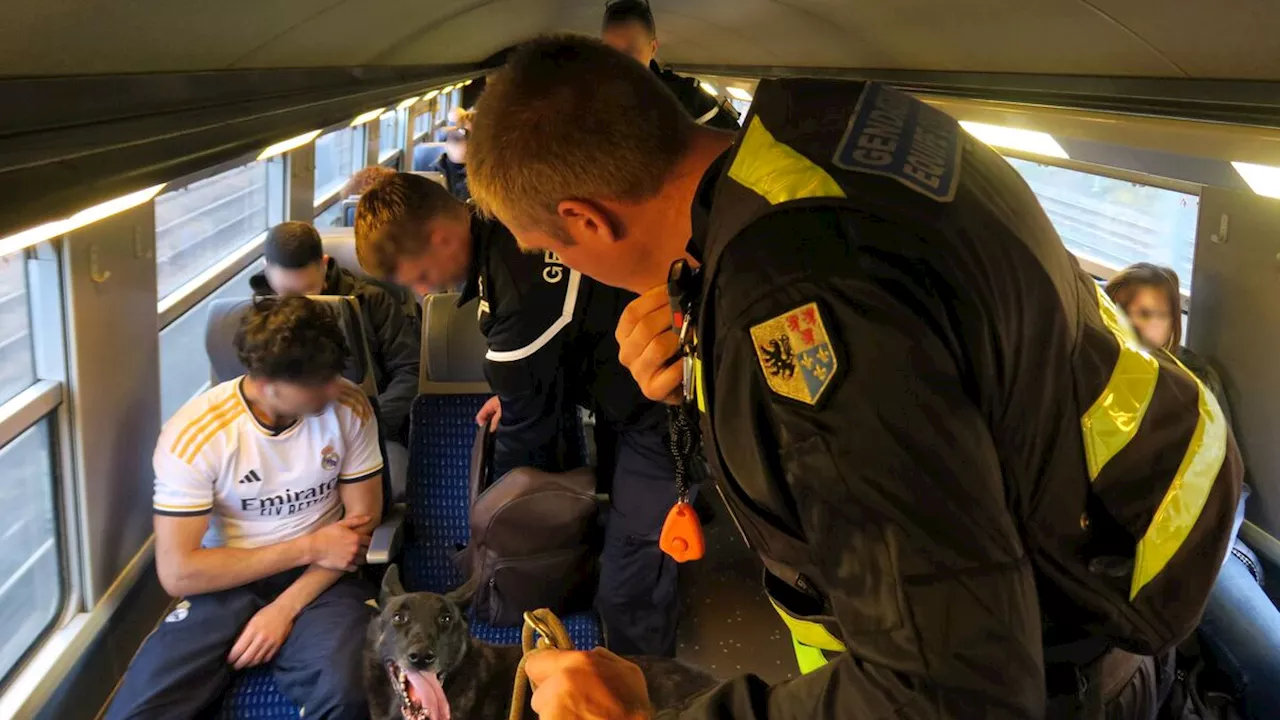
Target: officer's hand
column 491, row 413
column 595, row 685
column 649, row 347
column 262, row 637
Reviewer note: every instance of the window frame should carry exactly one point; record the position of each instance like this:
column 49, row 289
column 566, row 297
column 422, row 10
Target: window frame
column 1099, row 270
column 172, row 306
column 360, row 141
column 44, row 402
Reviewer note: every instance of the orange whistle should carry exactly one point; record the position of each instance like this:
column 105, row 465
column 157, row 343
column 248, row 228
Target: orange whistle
column 682, row 534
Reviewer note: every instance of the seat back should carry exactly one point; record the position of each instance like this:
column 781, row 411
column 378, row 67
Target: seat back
column 426, row 154
column 443, row 432
column 224, row 320
column 340, row 244
column 349, row 206
column 434, row 176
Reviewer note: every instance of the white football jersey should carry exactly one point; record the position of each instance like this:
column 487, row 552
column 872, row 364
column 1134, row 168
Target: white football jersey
column 260, row 485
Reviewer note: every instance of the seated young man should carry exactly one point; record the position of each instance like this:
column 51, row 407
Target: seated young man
column 267, row 489
column 297, row 265
column 551, row 342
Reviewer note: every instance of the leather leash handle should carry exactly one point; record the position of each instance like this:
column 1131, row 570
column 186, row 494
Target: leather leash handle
column 551, row 634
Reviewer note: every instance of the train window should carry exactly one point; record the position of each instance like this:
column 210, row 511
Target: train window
column 30, row 570
column 390, row 133
column 203, row 222
column 17, row 354
column 338, row 154
column 1115, row 223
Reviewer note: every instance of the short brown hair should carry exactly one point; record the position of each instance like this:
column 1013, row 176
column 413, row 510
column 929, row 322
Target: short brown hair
column 390, row 220
column 570, row 117
column 1124, row 285
column 362, row 180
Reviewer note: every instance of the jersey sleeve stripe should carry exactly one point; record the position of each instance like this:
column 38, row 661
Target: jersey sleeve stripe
column 212, row 421
column 180, row 510
column 360, row 476
column 356, row 401
column 211, row 411
column 190, row 457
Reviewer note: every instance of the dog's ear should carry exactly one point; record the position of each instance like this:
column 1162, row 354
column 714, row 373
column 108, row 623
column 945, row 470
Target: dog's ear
column 391, row 586
column 463, row 595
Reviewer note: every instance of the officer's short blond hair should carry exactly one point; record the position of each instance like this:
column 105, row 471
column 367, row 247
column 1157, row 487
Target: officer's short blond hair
column 392, row 218
column 571, row 118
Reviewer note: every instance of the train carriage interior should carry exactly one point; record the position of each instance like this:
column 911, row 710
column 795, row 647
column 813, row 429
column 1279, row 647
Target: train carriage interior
column 147, row 147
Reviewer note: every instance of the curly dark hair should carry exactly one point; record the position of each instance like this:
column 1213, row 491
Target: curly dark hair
column 293, row 339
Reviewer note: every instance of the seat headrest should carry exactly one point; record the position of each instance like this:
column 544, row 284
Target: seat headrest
column 453, row 348
column 224, row 320
column 426, row 154
column 340, row 244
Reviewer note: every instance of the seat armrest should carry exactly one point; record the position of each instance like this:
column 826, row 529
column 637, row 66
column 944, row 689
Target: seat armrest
column 384, row 546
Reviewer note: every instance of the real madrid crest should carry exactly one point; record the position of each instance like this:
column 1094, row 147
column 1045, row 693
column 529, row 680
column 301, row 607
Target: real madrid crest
column 329, row 458
column 795, row 354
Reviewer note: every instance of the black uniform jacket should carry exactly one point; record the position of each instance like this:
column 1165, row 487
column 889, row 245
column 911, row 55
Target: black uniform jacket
column 913, row 407
column 550, row 332
column 704, row 108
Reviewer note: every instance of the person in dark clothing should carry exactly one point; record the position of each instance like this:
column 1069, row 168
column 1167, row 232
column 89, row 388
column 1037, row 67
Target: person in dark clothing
column 296, row 265
column 969, row 485
column 1241, row 625
column 551, row 349
column 452, row 163
column 629, row 28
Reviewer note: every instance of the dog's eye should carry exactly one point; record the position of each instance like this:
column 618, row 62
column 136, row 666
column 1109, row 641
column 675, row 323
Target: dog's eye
column 398, row 618
column 445, row 619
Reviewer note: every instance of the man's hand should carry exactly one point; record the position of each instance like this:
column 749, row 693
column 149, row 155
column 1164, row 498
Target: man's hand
column 649, row 347
column 491, row 413
column 262, row 636
column 338, row 546
column 594, row 685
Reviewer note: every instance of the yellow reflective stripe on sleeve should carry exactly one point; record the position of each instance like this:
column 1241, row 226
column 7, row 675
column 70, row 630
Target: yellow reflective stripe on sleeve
column 809, row 633
column 698, row 384
column 1114, row 418
column 1186, row 496
column 776, row 172
column 808, row 658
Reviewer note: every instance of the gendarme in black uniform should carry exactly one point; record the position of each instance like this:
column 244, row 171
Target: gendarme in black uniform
column 941, row 437
column 550, row 332
column 705, row 109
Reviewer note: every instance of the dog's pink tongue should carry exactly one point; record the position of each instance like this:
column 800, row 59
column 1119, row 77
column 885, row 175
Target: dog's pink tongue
column 429, row 693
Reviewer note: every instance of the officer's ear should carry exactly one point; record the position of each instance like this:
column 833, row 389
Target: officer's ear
column 588, row 223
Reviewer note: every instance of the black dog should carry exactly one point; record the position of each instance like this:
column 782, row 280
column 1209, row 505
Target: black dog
column 421, row 663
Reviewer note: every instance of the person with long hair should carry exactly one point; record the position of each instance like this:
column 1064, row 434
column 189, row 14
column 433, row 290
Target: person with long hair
column 1152, row 298
column 1241, row 625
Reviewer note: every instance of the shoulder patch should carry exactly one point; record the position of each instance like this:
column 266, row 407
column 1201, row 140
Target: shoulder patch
column 795, row 354
column 897, row 136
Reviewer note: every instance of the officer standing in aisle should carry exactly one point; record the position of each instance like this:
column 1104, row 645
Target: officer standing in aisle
column 968, row 482
column 629, row 28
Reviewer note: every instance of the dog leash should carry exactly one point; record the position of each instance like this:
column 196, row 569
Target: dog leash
column 550, row 634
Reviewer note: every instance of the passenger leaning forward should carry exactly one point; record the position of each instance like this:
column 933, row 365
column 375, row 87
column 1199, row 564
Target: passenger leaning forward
column 969, row 483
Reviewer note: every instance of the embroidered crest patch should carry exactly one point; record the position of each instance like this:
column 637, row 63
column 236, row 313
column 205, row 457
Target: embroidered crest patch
column 795, row 354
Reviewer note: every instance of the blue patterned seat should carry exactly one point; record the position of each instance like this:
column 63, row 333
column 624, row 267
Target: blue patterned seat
column 254, row 695
column 438, row 497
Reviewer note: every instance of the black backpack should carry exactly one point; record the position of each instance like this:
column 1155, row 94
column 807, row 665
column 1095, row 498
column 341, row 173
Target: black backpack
column 533, row 539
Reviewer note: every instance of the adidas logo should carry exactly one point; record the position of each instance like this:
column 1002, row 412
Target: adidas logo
column 251, row 477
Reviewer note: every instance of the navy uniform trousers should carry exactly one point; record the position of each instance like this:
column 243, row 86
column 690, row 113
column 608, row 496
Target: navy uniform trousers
column 182, row 670
column 637, row 598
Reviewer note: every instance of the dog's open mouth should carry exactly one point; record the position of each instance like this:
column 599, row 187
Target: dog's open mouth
column 421, row 693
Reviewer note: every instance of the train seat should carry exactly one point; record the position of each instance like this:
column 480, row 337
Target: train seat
column 426, row 154
column 452, row 391
column 253, row 693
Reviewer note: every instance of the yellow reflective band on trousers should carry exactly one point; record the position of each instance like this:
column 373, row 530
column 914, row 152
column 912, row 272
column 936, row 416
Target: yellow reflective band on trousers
column 810, row 639
column 1186, row 496
column 776, row 172
column 1114, row 418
